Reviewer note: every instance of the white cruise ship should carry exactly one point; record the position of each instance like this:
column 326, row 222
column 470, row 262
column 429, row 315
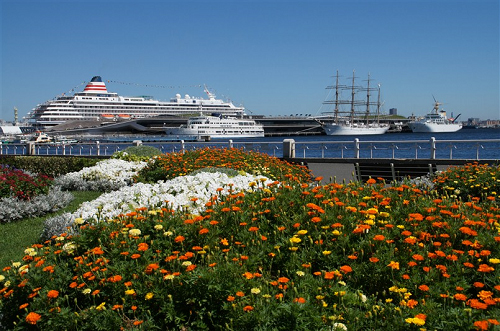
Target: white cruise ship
column 435, row 121
column 205, row 127
column 96, row 103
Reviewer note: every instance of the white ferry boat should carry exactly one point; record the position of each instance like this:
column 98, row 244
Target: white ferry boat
column 205, row 127
column 435, row 121
column 96, row 103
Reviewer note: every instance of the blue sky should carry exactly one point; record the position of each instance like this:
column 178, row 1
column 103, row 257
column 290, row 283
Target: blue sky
column 274, row 57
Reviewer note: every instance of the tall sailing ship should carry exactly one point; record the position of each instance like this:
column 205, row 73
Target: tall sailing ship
column 353, row 122
column 96, row 103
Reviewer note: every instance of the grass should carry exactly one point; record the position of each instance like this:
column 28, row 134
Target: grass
column 18, row 235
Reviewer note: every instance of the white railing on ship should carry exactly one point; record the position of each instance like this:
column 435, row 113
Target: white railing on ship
column 288, row 148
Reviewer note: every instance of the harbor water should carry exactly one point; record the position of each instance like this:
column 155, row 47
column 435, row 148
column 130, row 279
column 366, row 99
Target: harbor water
column 470, row 144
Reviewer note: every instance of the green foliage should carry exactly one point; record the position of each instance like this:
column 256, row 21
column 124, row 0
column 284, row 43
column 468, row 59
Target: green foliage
column 52, row 166
column 19, row 235
column 137, row 153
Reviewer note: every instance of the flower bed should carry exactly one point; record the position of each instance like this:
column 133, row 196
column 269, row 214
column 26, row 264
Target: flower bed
column 275, row 255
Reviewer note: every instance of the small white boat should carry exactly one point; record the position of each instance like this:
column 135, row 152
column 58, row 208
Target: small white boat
column 206, row 127
column 435, row 121
column 40, row 138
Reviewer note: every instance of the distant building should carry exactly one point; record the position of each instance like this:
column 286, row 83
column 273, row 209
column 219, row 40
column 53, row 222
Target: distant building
column 393, row 111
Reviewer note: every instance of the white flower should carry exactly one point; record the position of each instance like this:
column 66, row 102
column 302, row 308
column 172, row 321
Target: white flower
column 178, row 192
column 339, row 326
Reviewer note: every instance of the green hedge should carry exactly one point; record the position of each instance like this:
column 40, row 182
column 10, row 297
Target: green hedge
column 49, row 165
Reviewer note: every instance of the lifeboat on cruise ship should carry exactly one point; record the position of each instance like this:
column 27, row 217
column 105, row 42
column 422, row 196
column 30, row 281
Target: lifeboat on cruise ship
column 124, row 116
column 107, row 116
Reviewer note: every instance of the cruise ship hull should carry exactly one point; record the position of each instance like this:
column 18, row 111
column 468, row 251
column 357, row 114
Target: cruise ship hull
column 332, row 129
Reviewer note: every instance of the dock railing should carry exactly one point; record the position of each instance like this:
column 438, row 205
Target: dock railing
column 432, row 148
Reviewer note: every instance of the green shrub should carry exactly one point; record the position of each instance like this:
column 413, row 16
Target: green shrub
column 52, row 166
column 137, row 153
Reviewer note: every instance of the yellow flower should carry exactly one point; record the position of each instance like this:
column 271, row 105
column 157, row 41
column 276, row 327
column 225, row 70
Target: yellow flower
column 79, row 221
column 255, row 290
column 494, row 261
column 130, row 292
column 300, row 273
column 336, row 232
column 87, row 291
column 327, row 252
column 149, row 296
column 101, row 306
column 415, row 320
column 134, row 232
column 2, row 278
column 295, row 240
column 158, row 227
column 302, row 232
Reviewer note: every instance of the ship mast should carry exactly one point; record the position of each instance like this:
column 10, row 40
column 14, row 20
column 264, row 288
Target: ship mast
column 367, row 100
column 336, row 110
column 353, row 93
column 378, row 105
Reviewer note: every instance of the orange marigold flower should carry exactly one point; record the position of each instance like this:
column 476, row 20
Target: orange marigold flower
column 476, row 304
column 412, row 303
column 283, row 280
column 253, row 229
column 481, row 325
column 24, row 305
column 379, row 237
column 485, row 268
column 424, row 288
column 394, row 265
column 135, row 256
column 179, row 239
column 478, row 284
column 460, row 297
column 299, row 300
column 248, row 308
column 230, row 298
column 203, row 231
column 32, row 318
column 142, row 247
column 374, row 259
column 346, row 269
column 329, row 275
column 52, row 294
column 240, row 294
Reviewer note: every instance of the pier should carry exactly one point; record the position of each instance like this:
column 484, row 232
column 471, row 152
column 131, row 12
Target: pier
column 340, row 160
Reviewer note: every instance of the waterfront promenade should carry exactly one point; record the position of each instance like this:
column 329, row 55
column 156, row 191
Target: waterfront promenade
column 333, row 160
